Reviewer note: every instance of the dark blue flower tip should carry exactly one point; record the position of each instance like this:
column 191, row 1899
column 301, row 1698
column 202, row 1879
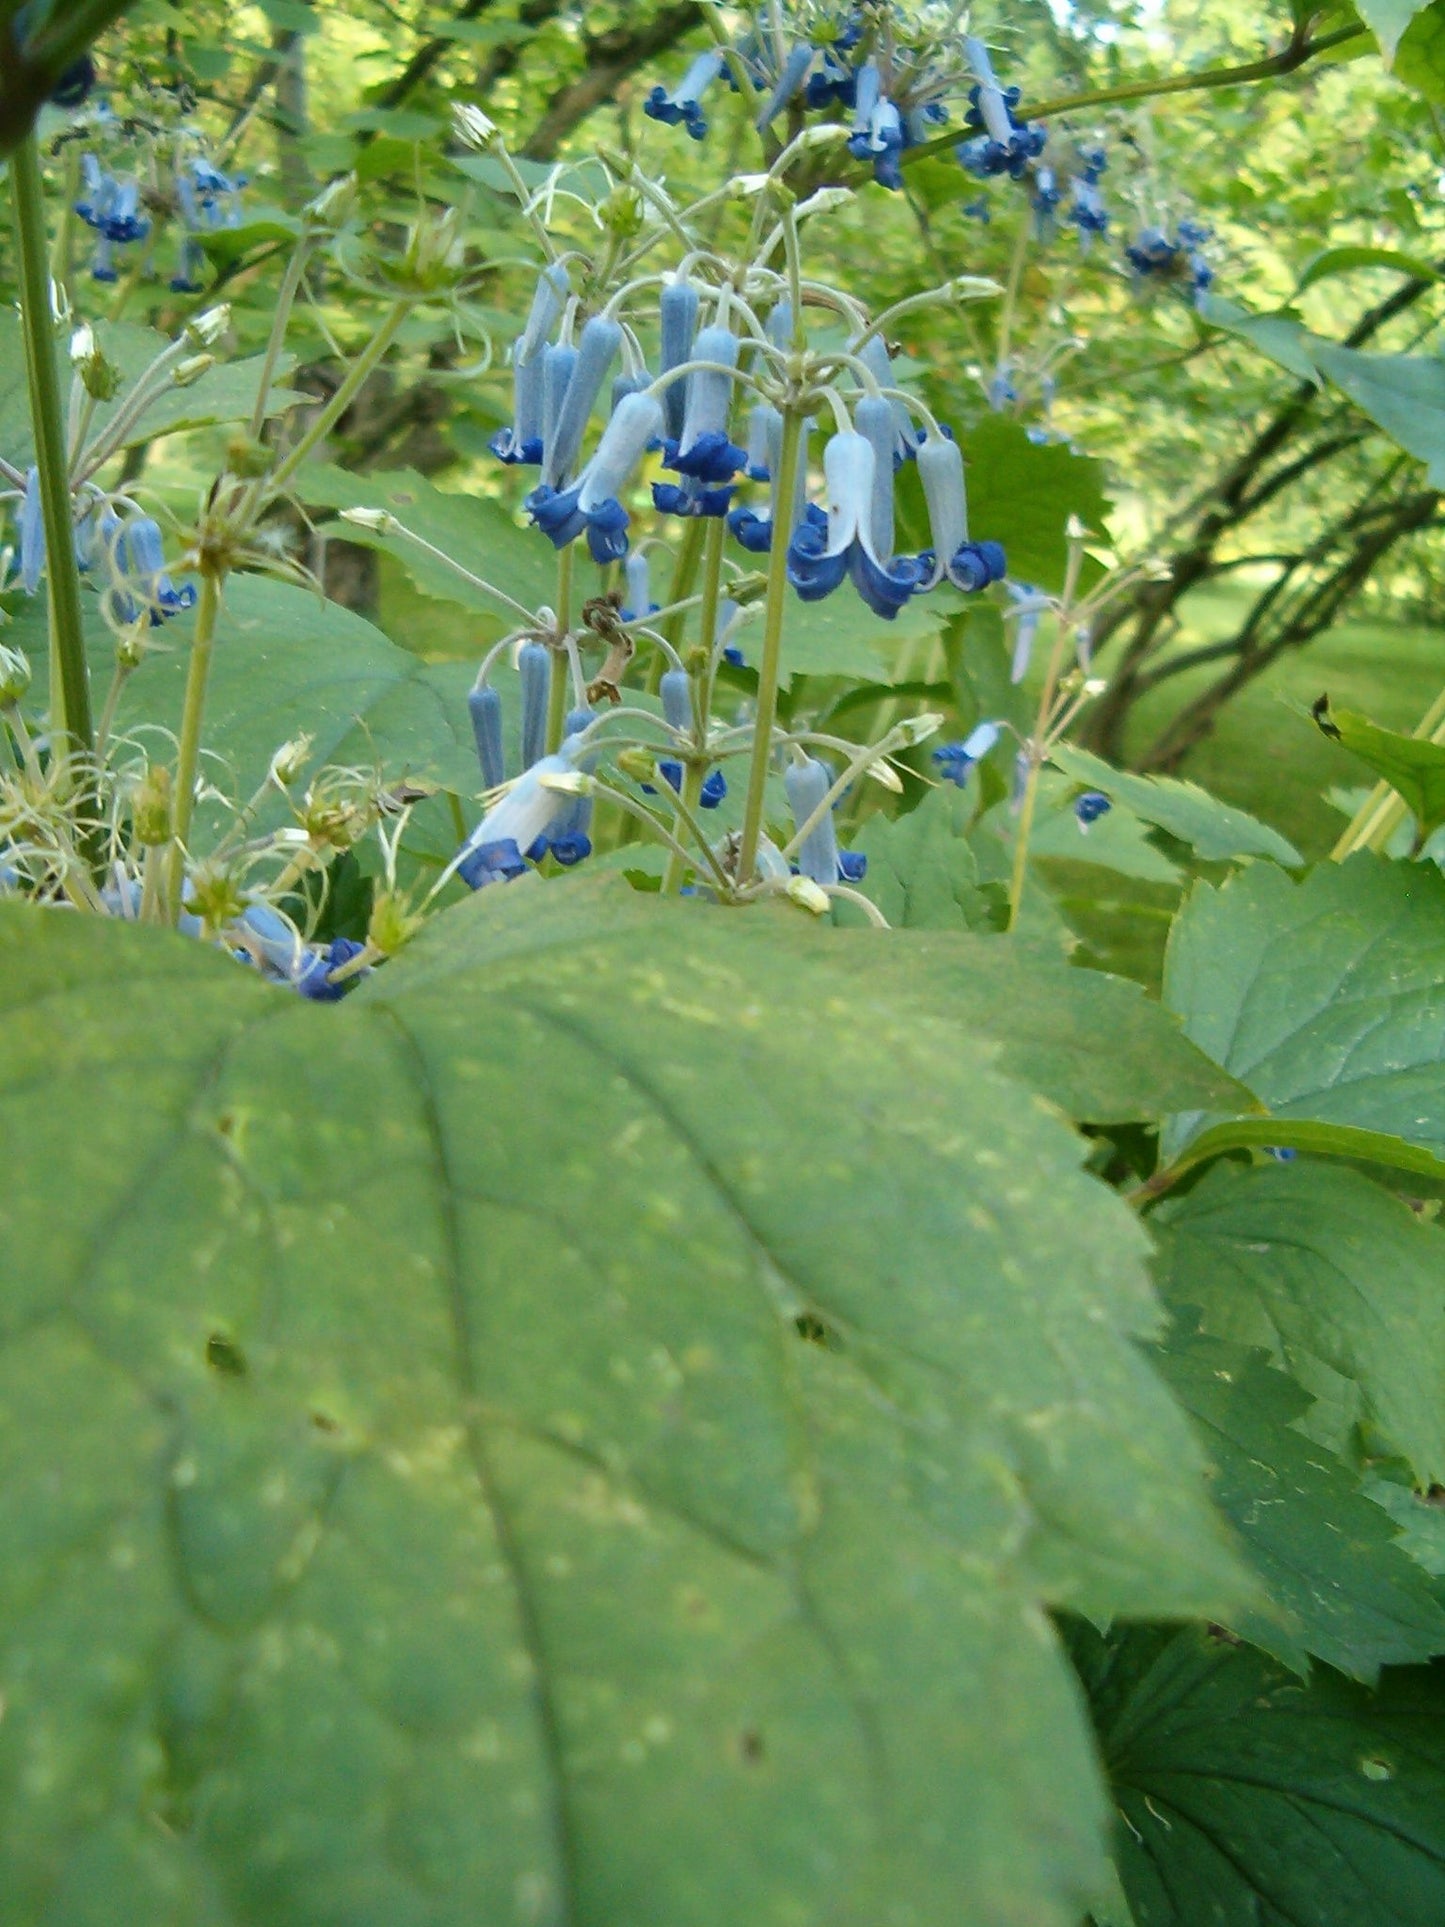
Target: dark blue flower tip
column 753, row 531
column 814, row 573
column 536, row 850
column 1091, row 806
column 714, row 789
column 979, row 209
column 167, row 600
column 885, row 589
column 672, row 498
column 1285, row 1153
column 74, row 85
column 182, row 284
column 671, row 772
column 852, row 866
column 103, row 272
column 1193, row 234
column 607, row 531
column 711, row 458
column 495, row 862
column 735, row 656
column 315, row 980
column 506, row 447
column 571, row 847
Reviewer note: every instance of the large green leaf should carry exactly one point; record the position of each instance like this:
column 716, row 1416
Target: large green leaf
column 226, row 393
column 578, row 1434
column 1026, row 492
column 922, row 873
column 1250, row 1799
column 1420, row 56
column 1323, row 996
column 1321, row 1267
column 1388, row 19
column 1403, row 394
column 1281, row 337
column 1339, row 1587
column 1412, row 765
column 287, row 661
column 1216, row 831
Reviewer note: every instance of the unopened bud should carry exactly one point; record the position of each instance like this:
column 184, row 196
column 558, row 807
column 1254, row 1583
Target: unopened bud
column 192, row 368
column 379, row 521
column 639, row 764
column 246, row 457
column 392, row 925
column 568, row 782
column 14, row 675
column 151, row 808
column 823, row 200
column 332, row 205
column 472, row 126
column 883, row 772
column 289, row 761
column 99, row 376
column 808, row 895
column 205, row 330
column 918, row 729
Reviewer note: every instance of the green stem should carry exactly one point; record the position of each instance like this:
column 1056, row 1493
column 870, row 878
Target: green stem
column 560, row 687
column 1039, row 742
column 189, row 757
column 69, row 677
column 1296, row 54
column 684, row 575
column 369, row 358
column 771, row 663
column 280, row 321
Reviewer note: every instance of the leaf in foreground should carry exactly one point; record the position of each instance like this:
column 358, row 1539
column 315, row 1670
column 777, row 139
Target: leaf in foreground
column 1248, row 1798
column 580, row 1433
column 1413, row 766
column 1329, row 1273
column 1338, row 1586
column 1323, row 996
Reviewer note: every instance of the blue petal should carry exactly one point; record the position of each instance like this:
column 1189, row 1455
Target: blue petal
column 492, row 863
column 885, row 590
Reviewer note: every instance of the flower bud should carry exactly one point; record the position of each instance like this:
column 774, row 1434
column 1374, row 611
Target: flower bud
column 472, row 127
column 151, row 807
column 807, row 895
column 807, row 784
column 332, row 205
column 378, row 521
column 639, row 764
column 14, row 675
column 191, row 369
column 534, row 665
column 289, row 761
column 676, row 692
column 484, row 705
column 99, row 375
column 205, row 330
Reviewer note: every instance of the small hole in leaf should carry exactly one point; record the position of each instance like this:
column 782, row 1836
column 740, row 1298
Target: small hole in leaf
column 750, row 1746
column 1374, row 1768
column 225, row 1124
column 223, row 1355
column 324, row 1422
column 1436, row 1495
column 816, row 1331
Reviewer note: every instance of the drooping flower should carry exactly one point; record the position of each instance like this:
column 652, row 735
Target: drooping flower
column 484, row 705
column 1029, row 606
column 955, row 760
column 677, row 307
column 596, row 350
column 637, row 573
column 529, row 810
column 522, row 442
column 704, row 454
column 825, row 548
column 1003, row 144
column 753, row 530
column 878, row 132
column 684, row 103
column 32, row 533
column 1090, row 806
column 969, row 566
column 1180, row 262
column 143, row 588
column 534, row 672
column 806, row 782
column 590, row 505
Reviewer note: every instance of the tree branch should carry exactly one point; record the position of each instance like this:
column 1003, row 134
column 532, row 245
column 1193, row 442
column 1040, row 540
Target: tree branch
column 611, row 58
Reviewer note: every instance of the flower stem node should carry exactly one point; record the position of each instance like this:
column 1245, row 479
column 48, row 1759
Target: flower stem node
column 14, row 676
column 99, row 375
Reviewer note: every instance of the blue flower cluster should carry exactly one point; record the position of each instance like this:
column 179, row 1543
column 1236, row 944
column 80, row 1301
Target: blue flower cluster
column 893, row 84
column 1177, row 262
column 124, row 557
column 1001, row 143
column 530, row 820
column 123, row 212
column 686, row 416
